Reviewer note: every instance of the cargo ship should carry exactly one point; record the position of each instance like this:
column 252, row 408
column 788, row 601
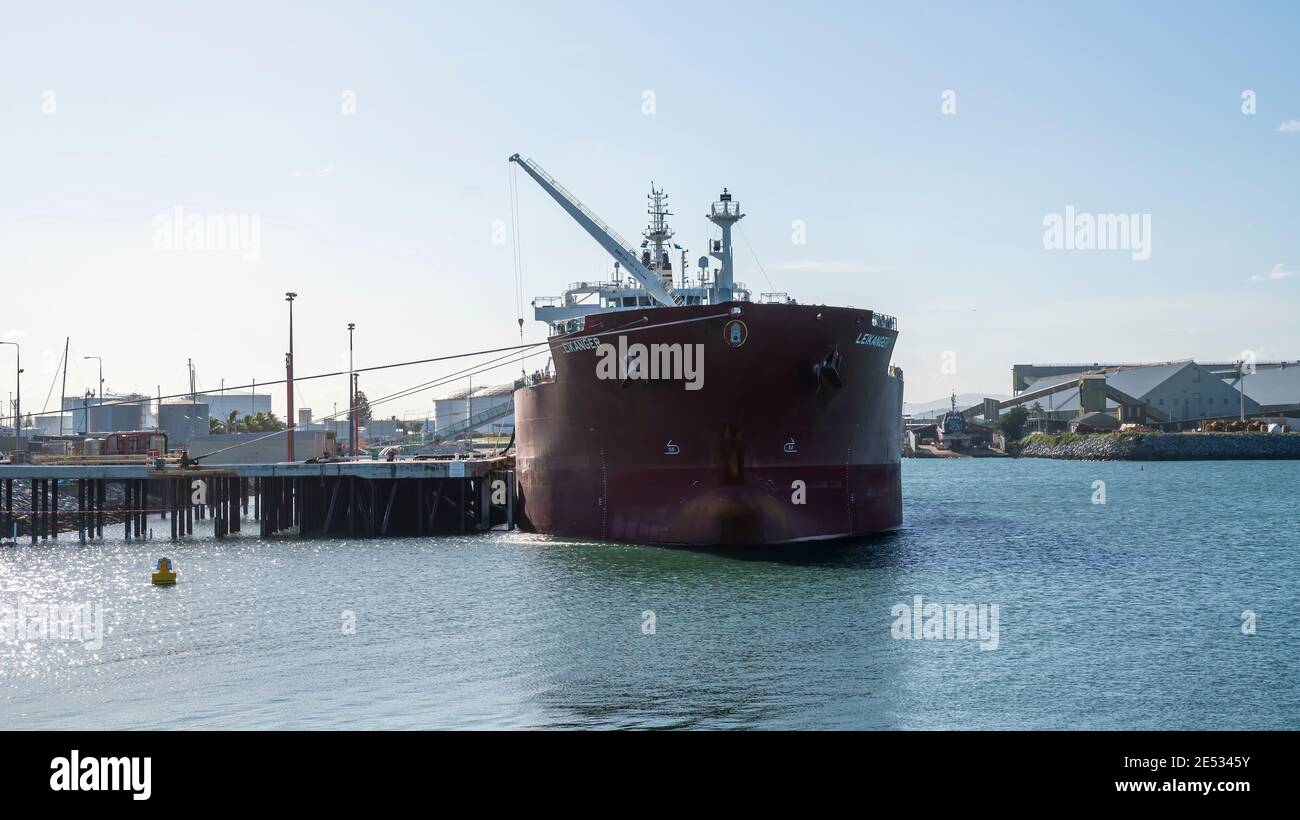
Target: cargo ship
column 678, row 410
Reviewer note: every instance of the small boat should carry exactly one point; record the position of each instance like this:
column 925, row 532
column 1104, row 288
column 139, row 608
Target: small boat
column 165, row 575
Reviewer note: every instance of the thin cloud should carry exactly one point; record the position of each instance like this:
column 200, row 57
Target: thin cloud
column 830, row 267
column 1278, row 273
column 1290, row 125
column 320, row 172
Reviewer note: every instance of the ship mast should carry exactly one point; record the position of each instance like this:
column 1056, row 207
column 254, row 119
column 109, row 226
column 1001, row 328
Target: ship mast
column 657, row 235
column 615, row 245
column 724, row 214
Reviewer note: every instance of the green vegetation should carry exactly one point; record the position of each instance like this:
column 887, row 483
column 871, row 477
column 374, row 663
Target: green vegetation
column 256, row 423
column 363, row 409
column 408, row 427
column 1012, row 423
column 1063, row 439
column 1055, row 440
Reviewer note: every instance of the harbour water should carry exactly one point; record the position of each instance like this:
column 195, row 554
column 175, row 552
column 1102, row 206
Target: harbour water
column 1123, row 614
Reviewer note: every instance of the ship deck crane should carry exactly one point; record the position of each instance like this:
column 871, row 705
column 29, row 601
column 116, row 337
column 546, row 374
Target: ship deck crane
column 618, row 247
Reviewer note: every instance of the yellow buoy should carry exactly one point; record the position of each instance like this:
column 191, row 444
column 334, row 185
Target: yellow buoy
column 165, row 575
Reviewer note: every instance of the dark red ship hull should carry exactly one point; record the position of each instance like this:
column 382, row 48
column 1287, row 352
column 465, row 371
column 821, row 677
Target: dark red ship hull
column 792, row 435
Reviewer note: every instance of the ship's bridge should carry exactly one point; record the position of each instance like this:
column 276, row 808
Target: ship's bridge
column 583, row 298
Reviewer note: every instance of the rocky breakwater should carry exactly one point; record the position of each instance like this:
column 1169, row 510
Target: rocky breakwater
column 1161, row 446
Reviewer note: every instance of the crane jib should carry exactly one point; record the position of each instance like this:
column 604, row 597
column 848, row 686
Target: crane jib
column 604, row 235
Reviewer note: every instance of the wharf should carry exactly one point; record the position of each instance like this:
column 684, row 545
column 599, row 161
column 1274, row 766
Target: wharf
column 323, row 499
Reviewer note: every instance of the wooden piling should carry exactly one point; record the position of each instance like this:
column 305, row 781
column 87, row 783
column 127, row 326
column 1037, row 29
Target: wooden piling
column 101, row 491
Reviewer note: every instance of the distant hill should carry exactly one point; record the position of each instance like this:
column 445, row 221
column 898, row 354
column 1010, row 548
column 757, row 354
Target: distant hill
column 921, row 409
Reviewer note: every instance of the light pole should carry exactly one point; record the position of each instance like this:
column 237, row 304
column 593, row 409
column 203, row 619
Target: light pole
column 1241, row 388
column 101, row 375
column 289, row 296
column 18, row 407
column 100, row 394
column 352, row 395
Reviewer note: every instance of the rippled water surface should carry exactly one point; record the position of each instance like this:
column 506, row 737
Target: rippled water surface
column 1116, row 615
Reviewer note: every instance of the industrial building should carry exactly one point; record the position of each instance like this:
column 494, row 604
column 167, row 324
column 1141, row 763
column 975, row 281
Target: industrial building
column 1274, row 386
column 483, row 410
column 1277, row 382
column 260, row 448
column 1177, row 394
column 110, row 412
column 1184, row 391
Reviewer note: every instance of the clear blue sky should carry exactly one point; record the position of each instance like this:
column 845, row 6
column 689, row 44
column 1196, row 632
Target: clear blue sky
column 829, row 113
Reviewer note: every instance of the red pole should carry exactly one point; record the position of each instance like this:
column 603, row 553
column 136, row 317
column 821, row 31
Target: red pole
column 351, row 392
column 288, row 371
column 288, row 366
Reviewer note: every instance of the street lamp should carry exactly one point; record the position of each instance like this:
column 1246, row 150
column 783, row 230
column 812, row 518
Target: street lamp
column 101, row 385
column 85, row 412
column 352, row 395
column 18, row 407
column 289, row 296
column 101, row 375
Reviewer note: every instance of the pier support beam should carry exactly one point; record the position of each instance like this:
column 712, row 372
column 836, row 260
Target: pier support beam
column 352, row 504
column 81, row 511
column 510, row 500
column 485, row 503
column 217, row 502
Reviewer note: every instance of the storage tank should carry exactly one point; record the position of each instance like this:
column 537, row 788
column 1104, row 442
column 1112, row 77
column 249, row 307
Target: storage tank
column 182, row 422
column 109, row 416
